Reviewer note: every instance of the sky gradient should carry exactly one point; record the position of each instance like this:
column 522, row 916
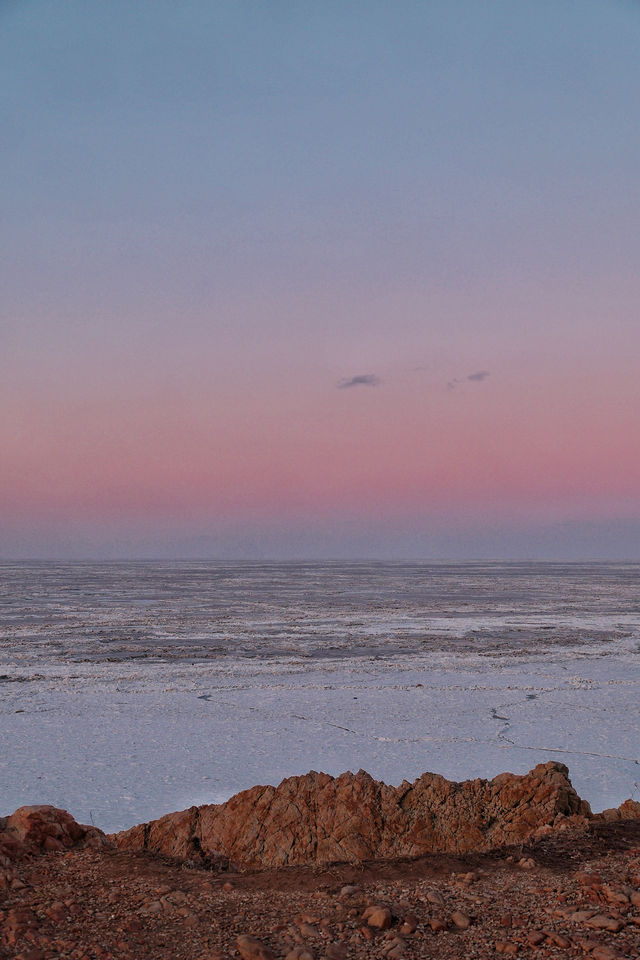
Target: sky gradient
column 320, row 280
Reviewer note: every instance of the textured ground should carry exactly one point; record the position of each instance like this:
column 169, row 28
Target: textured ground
column 573, row 893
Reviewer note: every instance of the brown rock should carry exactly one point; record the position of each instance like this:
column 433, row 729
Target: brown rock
column 397, row 952
column 579, row 916
column 300, row 952
column 350, row 890
column 42, row 828
column 587, row 944
column 250, row 948
column 603, row 922
column 535, row 938
column 395, row 947
column 56, row 912
column 438, row 926
column 336, row 951
column 380, row 918
column 507, row 947
column 18, row 921
column 558, row 939
column 353, row 817
column 614, row 895
column 435, row 897
column 588, row 879
column 602, row 952
column 410, row 924
column 461, row 920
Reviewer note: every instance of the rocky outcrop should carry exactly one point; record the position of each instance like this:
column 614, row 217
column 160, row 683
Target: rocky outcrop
column 32, row 830
column 318, row 818
column 629, row 810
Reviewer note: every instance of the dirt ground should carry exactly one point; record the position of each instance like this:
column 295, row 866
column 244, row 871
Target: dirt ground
column 574, row 893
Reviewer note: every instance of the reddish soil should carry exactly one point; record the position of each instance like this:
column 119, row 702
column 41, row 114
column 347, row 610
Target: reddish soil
column 573, row 893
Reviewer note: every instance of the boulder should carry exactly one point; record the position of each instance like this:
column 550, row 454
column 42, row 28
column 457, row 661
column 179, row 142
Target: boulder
column 43, row 829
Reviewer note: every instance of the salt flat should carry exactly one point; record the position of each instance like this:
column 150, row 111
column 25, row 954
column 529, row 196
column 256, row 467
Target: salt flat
column 125, row 745
column 158, row 723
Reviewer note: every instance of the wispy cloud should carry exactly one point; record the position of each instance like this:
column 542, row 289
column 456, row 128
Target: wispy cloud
column 361, row 380
column 476, row 377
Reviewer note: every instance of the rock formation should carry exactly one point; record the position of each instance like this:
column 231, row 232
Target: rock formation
column 32, row 830
column 318, row 818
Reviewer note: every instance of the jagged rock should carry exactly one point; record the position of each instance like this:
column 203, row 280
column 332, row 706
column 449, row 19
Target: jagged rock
column 318, row 818
column 42, row 828
column 629, row 810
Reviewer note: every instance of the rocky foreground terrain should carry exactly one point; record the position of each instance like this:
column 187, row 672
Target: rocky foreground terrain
column 332, row 869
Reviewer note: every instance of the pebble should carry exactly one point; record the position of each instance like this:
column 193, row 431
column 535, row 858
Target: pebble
column 300, row 952
column 379, row 917
column 336, row 951
column 461, row 920
column 410, row 924
column 250, row 948
column 434, row 896
column 603, row 922
column 535, row 938
column 350, row 890
column 604, row 953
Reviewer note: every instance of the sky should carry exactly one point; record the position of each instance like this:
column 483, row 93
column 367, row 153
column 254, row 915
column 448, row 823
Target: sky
column 290, row 279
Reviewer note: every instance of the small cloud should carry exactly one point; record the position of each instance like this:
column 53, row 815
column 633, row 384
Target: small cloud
column 476, row 377
column 362, row 380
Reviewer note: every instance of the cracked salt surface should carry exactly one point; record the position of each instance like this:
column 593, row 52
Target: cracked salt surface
column 174, row 717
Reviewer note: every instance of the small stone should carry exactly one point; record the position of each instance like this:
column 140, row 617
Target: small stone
column 350, row 890
column 250, row 948
column 535, row 938
column 336, row 951
column 613, row 895
column 56, row 912
column 434, row 896
column 602, row 922
column 461, row 920
column 396, row 953
column 300, row 952
column 602, row 952
column 380, row 918
column 438, row 926
column 587, row 944
column 579, row 916
column 558, row 939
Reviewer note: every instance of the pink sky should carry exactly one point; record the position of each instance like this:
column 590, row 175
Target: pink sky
column 213, row 224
